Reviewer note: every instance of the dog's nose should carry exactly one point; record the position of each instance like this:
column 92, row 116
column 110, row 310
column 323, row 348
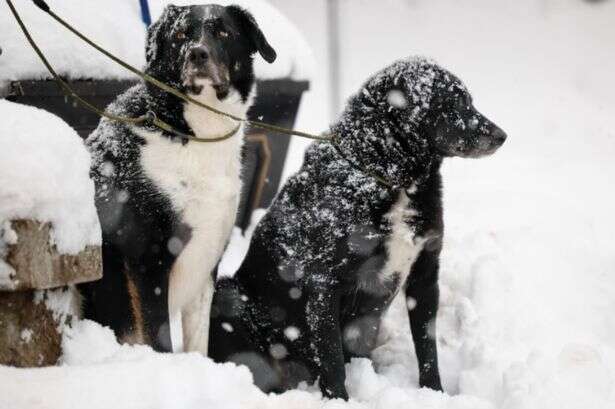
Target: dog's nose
column 499, row 136
column 198, row 55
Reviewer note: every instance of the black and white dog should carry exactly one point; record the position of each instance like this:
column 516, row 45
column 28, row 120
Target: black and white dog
column 337, row 245
column 167, row 207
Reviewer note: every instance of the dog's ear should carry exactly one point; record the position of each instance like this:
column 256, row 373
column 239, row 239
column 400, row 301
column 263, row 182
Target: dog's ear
column 156, row 34
column 249, row 26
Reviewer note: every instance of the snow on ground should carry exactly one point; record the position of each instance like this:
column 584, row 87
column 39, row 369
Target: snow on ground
column 97, row 372
column 116, row 25
column 44, row 175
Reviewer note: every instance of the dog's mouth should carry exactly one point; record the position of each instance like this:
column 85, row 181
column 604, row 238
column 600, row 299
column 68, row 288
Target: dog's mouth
column 196, row 79
column 477, row 153
column 483, row 148
column 469, row 142
column 489, row 144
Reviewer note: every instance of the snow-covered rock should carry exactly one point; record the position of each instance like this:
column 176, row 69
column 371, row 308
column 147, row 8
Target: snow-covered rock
column 116, row 25
column 44, row 176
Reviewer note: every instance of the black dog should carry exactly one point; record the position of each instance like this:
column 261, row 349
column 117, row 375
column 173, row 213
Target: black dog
column 167, row 207
column 337, row 245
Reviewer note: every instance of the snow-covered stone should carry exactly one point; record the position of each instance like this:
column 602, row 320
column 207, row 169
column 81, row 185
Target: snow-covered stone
column 32, row 324
column 44, row 176
column 33, row 262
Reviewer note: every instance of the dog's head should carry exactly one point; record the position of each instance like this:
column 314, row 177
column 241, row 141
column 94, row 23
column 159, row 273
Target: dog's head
column 206, row 46
column 435, row 107
column 407, row 117
column 454, row 126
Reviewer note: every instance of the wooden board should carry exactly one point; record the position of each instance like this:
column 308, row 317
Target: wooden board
column 38, row 265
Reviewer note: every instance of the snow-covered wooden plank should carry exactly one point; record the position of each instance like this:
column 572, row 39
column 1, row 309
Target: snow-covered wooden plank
column 49, row 230
column 37, row 264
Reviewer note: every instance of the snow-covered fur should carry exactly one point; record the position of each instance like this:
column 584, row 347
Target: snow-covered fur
column 337, row 245
column 167, row 206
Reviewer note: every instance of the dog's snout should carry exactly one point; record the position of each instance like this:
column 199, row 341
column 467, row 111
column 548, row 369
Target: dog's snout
column 499, row 136
column 198, row 55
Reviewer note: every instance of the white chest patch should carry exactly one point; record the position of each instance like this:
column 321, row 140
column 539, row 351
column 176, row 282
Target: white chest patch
column 203, row 183
column 402, row 245
column 205, row 123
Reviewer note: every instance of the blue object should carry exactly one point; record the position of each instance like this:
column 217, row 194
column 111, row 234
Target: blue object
column 145, row 15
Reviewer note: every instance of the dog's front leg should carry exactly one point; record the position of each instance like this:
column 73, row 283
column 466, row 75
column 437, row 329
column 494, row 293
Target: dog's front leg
column 152, row 292
column 422, row 294
column 195, row 321
column 323, row 321
column 191, row 292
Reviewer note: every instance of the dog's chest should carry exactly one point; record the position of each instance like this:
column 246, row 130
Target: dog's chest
column 401, row 244
column 202, row 181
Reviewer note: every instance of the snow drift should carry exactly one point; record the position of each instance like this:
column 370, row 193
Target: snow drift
column 44, row 175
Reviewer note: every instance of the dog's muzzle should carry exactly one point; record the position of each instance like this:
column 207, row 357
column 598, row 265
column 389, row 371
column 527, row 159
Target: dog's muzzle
column 201, row 64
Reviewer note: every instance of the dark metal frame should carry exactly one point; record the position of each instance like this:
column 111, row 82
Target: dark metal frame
column 277, row 102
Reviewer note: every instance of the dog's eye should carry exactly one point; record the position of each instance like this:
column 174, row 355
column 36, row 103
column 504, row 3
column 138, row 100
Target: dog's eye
column 222, row 34
column 180, row 35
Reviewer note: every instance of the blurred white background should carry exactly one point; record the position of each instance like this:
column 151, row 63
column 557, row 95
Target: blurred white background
column 517, row 56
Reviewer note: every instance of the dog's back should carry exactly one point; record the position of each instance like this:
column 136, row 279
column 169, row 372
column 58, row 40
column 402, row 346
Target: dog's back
column 322, row 244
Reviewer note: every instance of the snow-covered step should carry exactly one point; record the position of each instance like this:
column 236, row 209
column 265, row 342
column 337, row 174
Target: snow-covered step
column 36, row 264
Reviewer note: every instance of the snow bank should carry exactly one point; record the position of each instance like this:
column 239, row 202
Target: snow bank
column 44, row 175
column 116, row 25
column 486, row 335
column 97, row 372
